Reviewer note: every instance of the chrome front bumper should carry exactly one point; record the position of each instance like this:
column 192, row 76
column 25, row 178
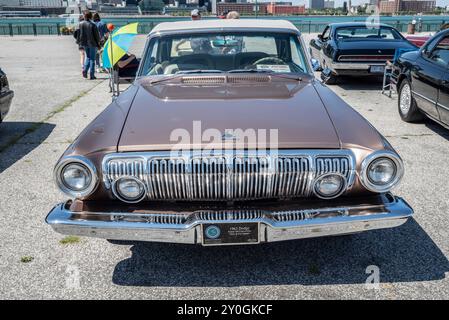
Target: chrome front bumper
column 275, row 224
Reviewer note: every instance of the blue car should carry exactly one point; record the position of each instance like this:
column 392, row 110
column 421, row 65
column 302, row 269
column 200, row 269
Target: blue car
column 6, row 95
column 355, row 49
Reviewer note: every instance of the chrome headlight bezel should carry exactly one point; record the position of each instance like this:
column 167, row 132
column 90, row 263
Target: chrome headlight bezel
column 375, row 156
column 86, row 164
column 340, row 191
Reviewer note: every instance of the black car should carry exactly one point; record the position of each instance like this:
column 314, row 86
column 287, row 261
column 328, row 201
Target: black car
column 5, row 95
column 355, row 49
column 423, row 81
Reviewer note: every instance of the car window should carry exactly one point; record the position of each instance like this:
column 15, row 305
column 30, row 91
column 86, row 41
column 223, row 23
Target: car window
column 224, row 51
column 430, row 45
column 440, row 54
column 253, row 44
column 326, row 33
column 365, row 33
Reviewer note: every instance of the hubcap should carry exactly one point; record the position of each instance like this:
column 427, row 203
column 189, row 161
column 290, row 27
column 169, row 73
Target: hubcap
column 405, row 99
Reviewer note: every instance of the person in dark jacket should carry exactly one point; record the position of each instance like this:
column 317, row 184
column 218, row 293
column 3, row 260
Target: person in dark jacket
column 90, row 41
column 76, row 35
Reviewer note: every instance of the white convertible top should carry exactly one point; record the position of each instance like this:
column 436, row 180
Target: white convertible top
column 224, row 24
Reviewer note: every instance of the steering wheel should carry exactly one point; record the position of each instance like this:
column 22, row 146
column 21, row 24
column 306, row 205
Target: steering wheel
column 269, row 60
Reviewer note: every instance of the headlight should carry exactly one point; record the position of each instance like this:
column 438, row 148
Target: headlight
column 329, row 186
column 381, row 171
column 76, row 176
column 129, row 189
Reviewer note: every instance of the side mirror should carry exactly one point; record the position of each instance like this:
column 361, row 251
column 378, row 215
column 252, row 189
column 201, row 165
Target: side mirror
column 425, row 53
column 320, row 36
column 315, row 64
column 123, row 75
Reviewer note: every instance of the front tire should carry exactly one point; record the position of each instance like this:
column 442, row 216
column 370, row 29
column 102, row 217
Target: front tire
column 408, row 110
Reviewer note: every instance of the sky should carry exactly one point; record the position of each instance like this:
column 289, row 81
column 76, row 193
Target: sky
column 339, row 3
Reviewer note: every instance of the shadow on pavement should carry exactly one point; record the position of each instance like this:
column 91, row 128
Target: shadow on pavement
column 403, row 254
column 437, row 128
column 17, row 139
column 360, row 83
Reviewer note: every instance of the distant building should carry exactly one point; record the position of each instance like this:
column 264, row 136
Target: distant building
column 40, row 3
column 388, row 6
column 329, row 4
column 284, row 9
column 415, row 6
column 14, row 3
column 316, row 4
column 242, row 8
column 41, row 7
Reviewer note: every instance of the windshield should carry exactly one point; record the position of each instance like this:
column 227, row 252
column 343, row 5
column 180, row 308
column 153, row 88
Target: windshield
column 364, row 33
column 224, row 52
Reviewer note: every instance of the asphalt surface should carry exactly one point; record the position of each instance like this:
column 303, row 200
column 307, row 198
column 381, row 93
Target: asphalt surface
column 53, row 104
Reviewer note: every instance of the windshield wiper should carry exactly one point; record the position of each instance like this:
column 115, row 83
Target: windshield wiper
column 198, row 71
column 249, row 71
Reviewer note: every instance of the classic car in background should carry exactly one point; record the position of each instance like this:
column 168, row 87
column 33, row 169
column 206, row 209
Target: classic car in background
column 326, row 171
column 355, row 49
column 420, row 40
column 423, row 81
column 6, row 95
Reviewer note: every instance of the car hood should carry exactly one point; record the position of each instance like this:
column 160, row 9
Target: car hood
column 186, row 115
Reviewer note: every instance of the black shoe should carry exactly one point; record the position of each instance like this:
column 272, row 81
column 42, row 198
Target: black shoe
column 93, row 78
column 84, row 74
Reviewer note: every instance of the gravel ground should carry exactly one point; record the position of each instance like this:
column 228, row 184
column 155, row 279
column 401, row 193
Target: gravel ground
column 44, row 73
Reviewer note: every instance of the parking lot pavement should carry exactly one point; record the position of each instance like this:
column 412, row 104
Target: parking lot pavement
column 412, row 259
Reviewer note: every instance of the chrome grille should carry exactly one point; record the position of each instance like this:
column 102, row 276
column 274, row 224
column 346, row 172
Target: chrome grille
column 227, row 176
column 203, row 80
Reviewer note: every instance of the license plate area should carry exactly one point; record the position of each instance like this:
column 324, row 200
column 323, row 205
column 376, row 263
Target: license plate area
column 215, row 234
column 376, row 69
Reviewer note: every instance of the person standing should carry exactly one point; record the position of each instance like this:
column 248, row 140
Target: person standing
column 195, row 14
column 76, row 35
column 104, row 32
column 90, row 41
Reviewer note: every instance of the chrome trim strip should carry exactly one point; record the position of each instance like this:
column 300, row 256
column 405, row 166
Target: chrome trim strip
column 228, row 174
column 342, row 58
column 188, row 31
column 274, row 225
column 442, row 106
column 424, row 97
column 352, row 65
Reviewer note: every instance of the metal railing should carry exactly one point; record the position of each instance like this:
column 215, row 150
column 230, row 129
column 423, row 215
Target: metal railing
column 146, row 25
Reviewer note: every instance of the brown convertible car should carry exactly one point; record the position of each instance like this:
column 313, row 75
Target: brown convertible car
column 225, row 137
